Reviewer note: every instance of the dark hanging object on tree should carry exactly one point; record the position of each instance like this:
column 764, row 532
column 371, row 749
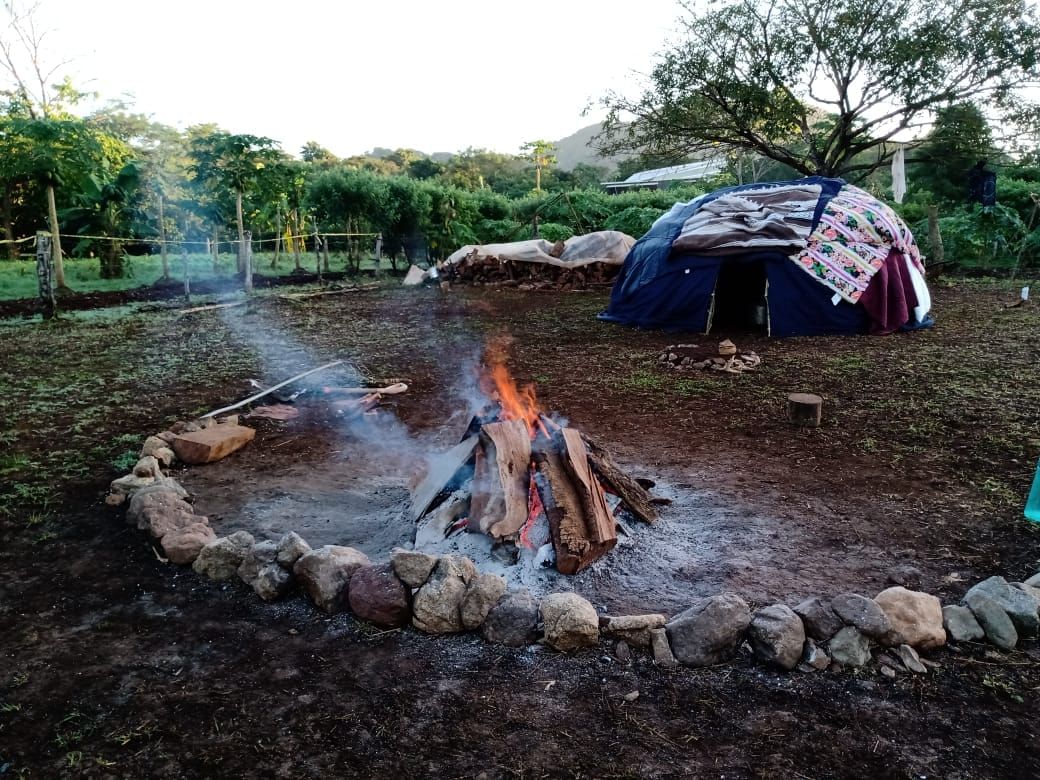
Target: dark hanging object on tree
column 982, row 185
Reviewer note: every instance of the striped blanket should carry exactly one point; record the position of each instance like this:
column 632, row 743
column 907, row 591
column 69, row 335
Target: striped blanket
column 771, row 218
column 849, row 245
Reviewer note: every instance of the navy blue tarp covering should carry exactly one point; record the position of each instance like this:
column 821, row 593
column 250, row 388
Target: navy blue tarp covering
column 657, row 288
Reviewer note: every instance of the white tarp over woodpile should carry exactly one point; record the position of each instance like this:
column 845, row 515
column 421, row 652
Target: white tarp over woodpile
column 605, row 246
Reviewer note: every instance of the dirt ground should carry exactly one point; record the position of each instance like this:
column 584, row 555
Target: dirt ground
column 115, row 665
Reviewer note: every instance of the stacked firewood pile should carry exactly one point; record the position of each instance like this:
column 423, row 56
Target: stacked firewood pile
column 495, row 272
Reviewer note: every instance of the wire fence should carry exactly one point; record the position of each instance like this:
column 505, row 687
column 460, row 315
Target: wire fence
column 206, row 245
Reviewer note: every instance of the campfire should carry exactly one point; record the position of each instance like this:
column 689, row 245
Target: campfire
column 537, row 488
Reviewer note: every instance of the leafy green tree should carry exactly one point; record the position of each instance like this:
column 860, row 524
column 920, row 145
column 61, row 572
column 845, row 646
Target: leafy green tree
column 49, row 153
column 313, row 152
column 959, row 139
column 235, row 163
column 763, row 75
column 106, row 208
column 540, row 153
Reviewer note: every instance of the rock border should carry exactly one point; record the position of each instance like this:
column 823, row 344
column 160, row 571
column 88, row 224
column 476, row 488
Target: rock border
column 448, row 594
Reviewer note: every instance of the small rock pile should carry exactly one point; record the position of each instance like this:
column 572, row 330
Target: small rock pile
column 726, row 358
column 448, row 594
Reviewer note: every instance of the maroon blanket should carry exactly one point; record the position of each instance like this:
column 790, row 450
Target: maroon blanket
column 890, row 298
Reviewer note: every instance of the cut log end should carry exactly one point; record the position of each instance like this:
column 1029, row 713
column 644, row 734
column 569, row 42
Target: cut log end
column 805, row 409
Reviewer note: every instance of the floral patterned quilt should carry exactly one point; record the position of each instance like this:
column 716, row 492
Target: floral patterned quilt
column 849, row 245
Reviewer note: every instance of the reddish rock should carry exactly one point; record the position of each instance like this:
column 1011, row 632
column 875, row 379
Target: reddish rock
column 325, row 573
column 378, row 596
column 211, row 444
column 160, row 511
column 184, row 545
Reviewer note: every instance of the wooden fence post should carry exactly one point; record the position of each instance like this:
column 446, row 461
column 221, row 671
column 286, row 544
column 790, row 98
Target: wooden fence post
column 162, row 238
column 45, row 274
column 379, row 253
column 247, row 259
column 187, row 282
column 935, row 244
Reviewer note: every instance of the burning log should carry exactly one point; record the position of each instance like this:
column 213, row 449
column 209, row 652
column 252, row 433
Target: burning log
column 634, row 496
column 501, row 480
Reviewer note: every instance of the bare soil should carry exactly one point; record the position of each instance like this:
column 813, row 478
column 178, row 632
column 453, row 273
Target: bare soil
column 114, row 664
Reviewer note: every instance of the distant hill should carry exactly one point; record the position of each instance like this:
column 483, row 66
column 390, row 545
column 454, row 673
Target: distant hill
column 575, row 149
column 570, row 151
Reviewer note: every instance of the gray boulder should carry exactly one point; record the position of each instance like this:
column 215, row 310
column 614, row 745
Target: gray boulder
column 325, row 574
column 814, row 657
column 378, row 596
column 1034, row 581
column 272, row 582
column 513, row 621
column 862, row 613
column 413, row 567
column 570, row 621
column 999, row 628
column 437, row 608
column 961, row 625
column 1018, row 605
column 291, row 547
column 710, row 631
column 1029, row 590
column 220, row 559
column 260, row 555
column 821, row 622
column 850, row 647
column 482, row 593
column 777, row 636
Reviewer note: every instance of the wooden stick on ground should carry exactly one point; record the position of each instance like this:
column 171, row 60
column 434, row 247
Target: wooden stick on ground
column 269, row 390
column 182, row 312
column 297, row 296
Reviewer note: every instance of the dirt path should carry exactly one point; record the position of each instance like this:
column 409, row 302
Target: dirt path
column 114, row 665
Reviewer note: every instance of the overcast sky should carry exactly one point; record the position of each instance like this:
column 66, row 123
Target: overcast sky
column 435, row 76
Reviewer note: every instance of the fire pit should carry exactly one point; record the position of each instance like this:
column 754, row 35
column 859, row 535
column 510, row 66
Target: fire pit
column 539, row 491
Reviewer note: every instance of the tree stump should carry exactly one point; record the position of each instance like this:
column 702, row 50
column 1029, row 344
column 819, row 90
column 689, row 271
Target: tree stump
column 805, row 409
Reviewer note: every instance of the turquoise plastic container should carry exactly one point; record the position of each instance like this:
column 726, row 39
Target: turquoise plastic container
column 1033, row 502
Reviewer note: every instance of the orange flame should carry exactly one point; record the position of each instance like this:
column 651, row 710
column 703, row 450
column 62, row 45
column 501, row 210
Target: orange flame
column 518, row 403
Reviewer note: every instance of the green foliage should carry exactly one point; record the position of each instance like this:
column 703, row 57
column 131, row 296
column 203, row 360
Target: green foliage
column 635, row 220
column 981, row 238
column 554, row 231
column 786, row 78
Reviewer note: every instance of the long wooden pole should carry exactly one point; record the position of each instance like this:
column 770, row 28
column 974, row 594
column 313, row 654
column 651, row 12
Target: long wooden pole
column 270, row 390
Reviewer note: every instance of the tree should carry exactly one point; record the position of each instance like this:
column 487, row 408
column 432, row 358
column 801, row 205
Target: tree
column 105, row 208
column 234, row 162
column 48, row 153
column 313, row 152
column 539, row 152
column 960, row 138
column 819, row 84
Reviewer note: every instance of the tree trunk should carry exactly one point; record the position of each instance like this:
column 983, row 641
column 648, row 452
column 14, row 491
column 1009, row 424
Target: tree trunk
column 112, row 260
column 162, row 238
column 59, row 265
column 8, row 216
column 935, row 244
column 294, row 232
column 215, row 249
column 277, row 239
column 247, row 260
column 241, row 231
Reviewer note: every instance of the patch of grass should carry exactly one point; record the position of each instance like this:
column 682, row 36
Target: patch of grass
column 692, row 388
column 125, row 460
column 643, row 380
